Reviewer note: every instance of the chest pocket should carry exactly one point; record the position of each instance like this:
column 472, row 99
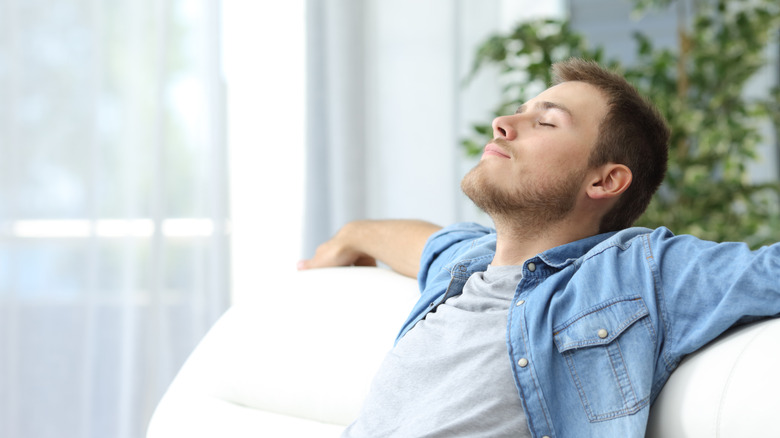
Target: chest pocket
column 609, row 350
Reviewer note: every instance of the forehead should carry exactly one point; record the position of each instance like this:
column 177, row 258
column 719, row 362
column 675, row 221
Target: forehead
column 584, row 102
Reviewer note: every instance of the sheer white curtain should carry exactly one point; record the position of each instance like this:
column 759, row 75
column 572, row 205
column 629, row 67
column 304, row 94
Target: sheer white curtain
column 113, row 227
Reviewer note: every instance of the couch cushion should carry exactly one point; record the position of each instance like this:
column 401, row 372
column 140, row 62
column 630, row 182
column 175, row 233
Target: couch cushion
column 729, row 389
column 309, row 350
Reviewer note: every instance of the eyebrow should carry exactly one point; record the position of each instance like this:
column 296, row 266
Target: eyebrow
column 546, row 105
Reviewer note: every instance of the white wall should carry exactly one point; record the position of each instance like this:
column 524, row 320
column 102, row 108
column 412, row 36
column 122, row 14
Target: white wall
column 417, row 106
column 263, row 58
column 412, row 105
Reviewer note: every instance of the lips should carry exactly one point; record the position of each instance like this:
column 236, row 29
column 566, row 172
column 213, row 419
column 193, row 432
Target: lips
column 494, row 149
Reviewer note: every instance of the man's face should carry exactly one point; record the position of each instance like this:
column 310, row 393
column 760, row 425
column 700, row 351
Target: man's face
column 538, row 159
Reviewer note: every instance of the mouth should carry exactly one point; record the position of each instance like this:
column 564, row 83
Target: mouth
column 494, row 149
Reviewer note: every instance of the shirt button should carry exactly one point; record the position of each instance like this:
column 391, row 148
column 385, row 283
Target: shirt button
column 602, row 333
column 523, row 362
column 520, row 302
column 532, row 266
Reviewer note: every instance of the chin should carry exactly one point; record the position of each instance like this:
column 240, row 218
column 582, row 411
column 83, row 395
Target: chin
column 475, row 186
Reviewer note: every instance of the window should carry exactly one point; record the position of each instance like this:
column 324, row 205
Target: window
column 113, row 208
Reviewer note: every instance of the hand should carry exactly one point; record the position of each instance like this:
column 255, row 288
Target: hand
column 339, row 251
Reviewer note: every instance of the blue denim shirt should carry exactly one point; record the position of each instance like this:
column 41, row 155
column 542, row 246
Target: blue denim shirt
column 598, row 325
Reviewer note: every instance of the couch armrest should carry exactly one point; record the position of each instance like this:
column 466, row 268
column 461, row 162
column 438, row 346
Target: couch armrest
column 306, row 352
column 730, row 388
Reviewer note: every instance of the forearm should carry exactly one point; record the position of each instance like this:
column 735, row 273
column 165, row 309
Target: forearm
column 397, row 243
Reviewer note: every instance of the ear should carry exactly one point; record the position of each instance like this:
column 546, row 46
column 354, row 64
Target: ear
column 609, row 181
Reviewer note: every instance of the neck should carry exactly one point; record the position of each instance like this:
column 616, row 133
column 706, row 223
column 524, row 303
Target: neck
column 518, row 241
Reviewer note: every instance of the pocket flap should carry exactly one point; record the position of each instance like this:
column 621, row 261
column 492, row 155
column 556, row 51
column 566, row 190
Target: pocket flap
column 600, row 324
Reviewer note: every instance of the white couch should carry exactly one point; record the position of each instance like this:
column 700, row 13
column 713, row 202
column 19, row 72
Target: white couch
column 298, row 362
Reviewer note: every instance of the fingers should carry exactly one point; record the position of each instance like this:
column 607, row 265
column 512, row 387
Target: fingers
column 346, row 248
column 335, row 253
column 365, row 261
column 316, row 263
column 320, row 261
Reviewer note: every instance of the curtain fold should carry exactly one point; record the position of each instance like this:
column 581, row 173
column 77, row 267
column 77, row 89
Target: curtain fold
column 113, row 208
column 335, row 118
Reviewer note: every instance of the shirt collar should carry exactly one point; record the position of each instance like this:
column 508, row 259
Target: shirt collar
column 563, row 255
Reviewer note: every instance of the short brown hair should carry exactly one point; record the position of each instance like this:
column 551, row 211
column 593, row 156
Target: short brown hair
column 632, row 133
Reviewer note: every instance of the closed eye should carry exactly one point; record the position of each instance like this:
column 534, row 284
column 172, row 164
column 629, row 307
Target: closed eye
column 546, row 124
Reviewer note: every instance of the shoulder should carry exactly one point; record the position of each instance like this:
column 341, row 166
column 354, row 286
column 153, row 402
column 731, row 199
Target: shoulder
column 664, row 250
column 455, row 241
column 648, row 244
column 648, row 237
column 458, row 234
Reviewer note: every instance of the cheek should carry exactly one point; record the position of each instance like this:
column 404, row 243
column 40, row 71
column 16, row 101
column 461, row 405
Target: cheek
column 570, row 151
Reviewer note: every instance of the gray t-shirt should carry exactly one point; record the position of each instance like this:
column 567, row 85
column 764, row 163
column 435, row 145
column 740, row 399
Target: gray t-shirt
column 450, row 376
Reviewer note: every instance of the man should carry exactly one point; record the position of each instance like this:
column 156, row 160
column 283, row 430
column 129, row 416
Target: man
column 563, row 321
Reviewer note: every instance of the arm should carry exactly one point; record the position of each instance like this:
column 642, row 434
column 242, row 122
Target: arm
column 704, row 288
column 398, row 243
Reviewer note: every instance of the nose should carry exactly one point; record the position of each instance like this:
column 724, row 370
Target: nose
column 503, row 127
